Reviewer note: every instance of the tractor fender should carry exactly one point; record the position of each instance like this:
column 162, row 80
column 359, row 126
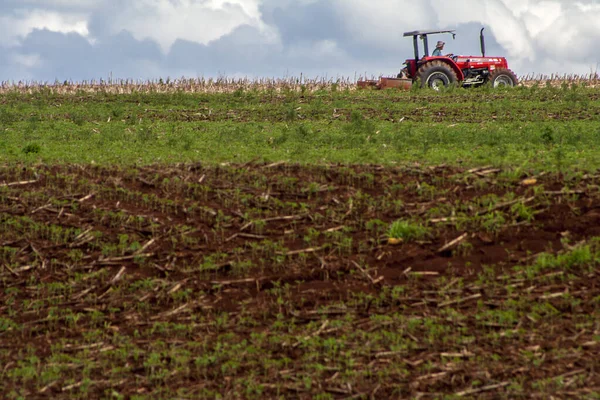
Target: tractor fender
column 452, row 64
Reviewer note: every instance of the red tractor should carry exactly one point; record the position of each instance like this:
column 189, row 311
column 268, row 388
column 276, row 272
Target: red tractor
column 438, row 71
column 469, row 71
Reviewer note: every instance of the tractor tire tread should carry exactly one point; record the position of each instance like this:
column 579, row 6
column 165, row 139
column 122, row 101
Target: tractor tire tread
column 425, row 70
column 503, row 71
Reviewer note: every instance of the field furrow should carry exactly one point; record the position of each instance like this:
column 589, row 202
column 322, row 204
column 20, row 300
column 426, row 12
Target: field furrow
column 264, row 280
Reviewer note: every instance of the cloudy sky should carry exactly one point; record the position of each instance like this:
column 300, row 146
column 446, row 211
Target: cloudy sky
column 48, row 40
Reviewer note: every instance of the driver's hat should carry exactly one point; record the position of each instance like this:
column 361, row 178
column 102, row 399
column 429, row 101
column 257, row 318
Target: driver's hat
column 440, row 44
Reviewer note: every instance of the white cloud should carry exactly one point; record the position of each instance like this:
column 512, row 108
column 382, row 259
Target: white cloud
column 541, row 17
column 197, row 21
column 23, row 22
column 250, row 7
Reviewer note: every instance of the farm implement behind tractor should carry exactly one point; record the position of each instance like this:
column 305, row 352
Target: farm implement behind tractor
column 436, row 72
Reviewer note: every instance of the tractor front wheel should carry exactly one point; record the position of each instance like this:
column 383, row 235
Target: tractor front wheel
column 436, row 74
column 503, row 78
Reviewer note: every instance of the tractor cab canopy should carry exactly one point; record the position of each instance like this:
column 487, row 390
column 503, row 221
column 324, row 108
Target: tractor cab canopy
column 423, row 35
column 426, row 32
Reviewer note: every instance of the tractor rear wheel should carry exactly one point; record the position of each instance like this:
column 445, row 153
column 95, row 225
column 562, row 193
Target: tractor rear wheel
column 436, row 74
column 503, row 78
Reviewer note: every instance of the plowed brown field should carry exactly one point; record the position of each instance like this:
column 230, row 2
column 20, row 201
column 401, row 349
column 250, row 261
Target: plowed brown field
column 264, row 281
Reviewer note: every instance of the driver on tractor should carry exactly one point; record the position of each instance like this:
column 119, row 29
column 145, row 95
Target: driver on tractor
column 438, row 49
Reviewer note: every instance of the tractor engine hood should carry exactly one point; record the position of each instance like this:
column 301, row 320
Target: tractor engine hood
column 499, row 61
column 478, row 61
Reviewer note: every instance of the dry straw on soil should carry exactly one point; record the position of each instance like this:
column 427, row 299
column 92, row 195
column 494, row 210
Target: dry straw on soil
column 590, row 80
column 191, row 85
column 230, row 85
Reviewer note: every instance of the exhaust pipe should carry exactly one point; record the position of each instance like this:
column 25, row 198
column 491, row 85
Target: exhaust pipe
column 482, row 42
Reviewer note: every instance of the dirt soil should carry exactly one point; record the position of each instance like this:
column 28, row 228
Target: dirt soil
column 266, row 281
